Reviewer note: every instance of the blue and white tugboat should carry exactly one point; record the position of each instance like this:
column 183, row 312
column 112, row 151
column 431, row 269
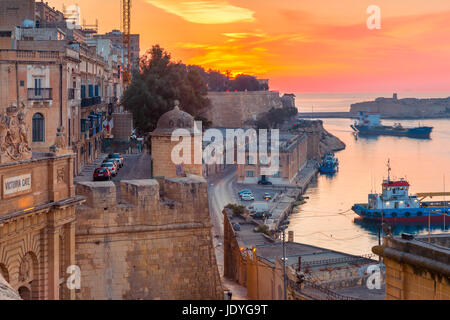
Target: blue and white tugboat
column 395, row 205
column 329, row 163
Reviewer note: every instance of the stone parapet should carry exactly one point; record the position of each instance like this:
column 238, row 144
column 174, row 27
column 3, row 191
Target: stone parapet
column 98, row 194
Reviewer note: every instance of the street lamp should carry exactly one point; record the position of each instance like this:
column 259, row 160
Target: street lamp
column 283, row 228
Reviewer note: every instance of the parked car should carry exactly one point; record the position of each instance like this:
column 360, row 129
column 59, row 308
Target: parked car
column 102, row 174
column 111, row 167
column 267, row 196
column 114, row 162
column 245, row 191
column 247, row 197
column 265, row 183
column 117, row 157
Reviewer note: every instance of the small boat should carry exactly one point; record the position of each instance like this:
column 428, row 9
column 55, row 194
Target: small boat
column 329, row 163
column 369, row 124
column 396, row 205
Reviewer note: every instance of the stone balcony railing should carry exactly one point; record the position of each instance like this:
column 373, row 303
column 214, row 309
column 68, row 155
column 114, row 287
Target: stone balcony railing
column 40, row 94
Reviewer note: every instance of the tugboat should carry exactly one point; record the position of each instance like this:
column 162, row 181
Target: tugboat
column 369, row 124
column 395, row 205
column 329, row 163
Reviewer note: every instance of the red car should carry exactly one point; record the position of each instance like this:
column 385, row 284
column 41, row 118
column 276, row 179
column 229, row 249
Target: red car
column 102, row 174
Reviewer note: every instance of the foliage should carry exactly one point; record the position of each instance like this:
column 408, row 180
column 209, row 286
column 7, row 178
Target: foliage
column 158, row 84
column 237, row 209
column 274, row 118
column 262, row 228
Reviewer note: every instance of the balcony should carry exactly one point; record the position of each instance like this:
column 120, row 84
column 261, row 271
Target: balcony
column 40, row 94
column 87, row 102
column 71, row 94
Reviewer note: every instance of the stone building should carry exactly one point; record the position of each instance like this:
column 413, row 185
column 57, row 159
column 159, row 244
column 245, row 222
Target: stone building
column 163, row 146
column 417, row 268
column 37, row 213
column 293, row 157
column 253, row 260
column 117, row 39
column 154, row 242
column 234, row 109
column 63, row 77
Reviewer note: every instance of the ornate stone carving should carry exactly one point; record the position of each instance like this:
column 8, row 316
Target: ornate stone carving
column 60, row 141
column 26, row 269
column 60, row 174
column 14, row 143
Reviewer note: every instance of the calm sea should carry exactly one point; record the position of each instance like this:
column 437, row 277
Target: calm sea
column 326, row 219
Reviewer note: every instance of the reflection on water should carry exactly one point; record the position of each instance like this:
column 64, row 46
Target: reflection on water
column 326, row 219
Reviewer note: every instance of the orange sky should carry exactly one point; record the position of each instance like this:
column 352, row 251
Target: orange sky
column 300, row 45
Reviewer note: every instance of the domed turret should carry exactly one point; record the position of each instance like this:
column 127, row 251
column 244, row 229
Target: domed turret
column 174, row 119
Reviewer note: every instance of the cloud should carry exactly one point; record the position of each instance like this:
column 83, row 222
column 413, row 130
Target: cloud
column 205, row 11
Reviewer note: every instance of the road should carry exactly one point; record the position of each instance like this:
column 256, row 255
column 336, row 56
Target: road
column 137, row 166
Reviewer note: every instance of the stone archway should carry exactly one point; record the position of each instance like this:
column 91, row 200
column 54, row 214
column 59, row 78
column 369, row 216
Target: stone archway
column 4, row 272
column 28, row 277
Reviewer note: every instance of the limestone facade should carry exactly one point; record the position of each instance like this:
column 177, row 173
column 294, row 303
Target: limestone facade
column 37, row 226
column 293, row 157
column 154, row 242
column 233, row 109
column 416, row 269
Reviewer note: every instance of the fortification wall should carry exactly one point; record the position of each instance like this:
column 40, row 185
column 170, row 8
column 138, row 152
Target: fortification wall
column 404, row 108
column 232, row 109
column 154, row 242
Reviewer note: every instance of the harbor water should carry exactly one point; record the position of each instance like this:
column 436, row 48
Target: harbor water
column 326, row 218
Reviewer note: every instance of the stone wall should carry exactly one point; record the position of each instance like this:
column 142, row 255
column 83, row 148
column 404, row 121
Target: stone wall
column 416, row 269
column 404, row 108
column 232, row 109
column 154, row 242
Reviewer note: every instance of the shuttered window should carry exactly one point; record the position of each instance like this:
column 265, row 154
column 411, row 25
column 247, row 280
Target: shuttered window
column 38, row 128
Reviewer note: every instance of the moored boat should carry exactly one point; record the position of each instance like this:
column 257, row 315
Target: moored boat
column 329, row 163
column 370, row 124
column 396, row 205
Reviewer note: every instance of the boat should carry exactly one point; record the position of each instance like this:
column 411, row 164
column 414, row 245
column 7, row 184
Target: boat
column 395, row 205
column 369, row 124
column 329, row 163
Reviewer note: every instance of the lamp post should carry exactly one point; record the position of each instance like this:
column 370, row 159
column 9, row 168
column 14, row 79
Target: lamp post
column 283, row 228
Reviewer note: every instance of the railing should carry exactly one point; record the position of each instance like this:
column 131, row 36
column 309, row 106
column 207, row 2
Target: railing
column 87, row 102
column 71, row 94
column 352, row 260
column 40, row 94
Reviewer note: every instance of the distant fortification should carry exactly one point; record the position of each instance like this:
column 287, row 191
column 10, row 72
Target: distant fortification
column 232, row 109
column 154, row 242
column 405, row 108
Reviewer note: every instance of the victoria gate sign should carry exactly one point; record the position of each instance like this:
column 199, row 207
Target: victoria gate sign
column 17, row 184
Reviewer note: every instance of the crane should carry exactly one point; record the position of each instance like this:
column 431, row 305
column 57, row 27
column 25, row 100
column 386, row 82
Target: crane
column 126, row 26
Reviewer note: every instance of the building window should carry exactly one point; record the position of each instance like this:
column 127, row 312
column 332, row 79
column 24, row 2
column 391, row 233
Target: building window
column 38, row 128
column 250, row 174
column 277, row 175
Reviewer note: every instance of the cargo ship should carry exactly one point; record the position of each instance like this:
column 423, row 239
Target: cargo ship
column 395, row 205
column 329, row 163
column 369, row 124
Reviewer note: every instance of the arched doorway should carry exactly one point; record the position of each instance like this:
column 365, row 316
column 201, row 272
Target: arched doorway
column 28, row 277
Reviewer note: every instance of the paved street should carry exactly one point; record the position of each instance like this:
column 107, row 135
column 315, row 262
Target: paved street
column 137, row 166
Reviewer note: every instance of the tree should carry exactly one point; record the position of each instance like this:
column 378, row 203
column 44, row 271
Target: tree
column 158, row 84
column 245, row 82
